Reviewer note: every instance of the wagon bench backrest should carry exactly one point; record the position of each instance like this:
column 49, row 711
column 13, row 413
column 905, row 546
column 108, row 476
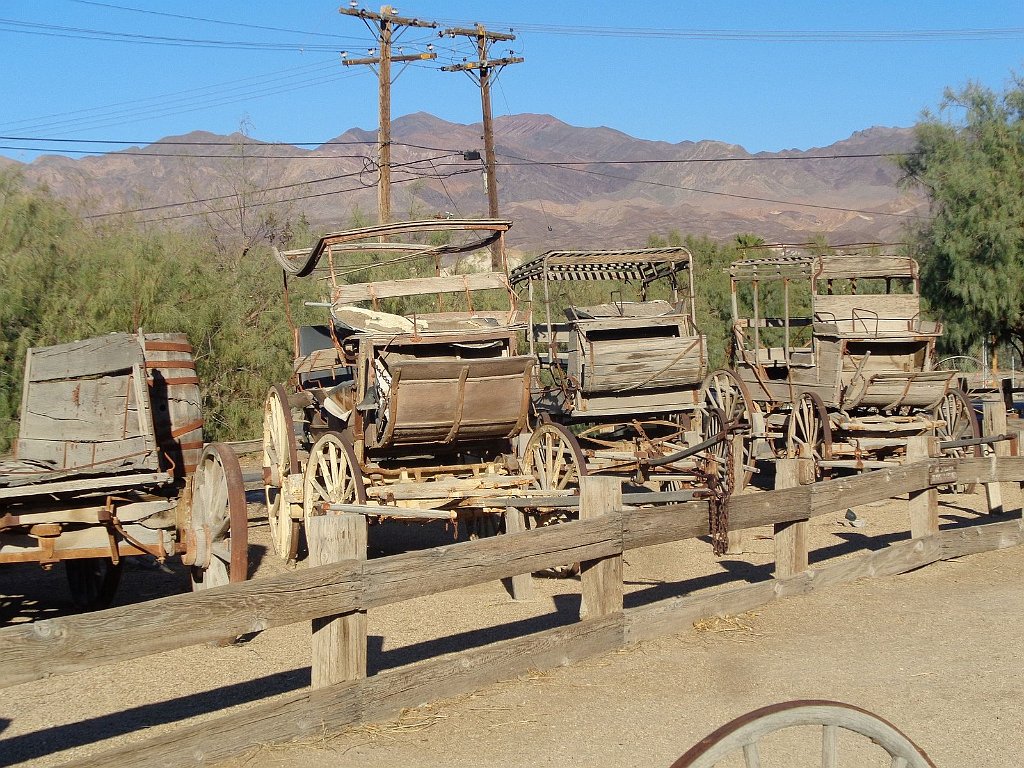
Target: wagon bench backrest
column 416, row 286
column 85, row 405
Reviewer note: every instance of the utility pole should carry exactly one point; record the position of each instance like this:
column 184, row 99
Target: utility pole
column 481, row 72
column 387, row 27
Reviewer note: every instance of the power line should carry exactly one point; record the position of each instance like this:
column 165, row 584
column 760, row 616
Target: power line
column 260, row 204
column 734, row 195
column 523, row 161
column 769, row 35
column 82, row 33
column 211, row 21
column 174, row 96
column 263, row 190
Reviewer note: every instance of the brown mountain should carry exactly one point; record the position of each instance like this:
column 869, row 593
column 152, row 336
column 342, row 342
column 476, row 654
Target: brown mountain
column 564, row 186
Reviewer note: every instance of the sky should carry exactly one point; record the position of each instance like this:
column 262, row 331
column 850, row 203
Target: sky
column 764, row 74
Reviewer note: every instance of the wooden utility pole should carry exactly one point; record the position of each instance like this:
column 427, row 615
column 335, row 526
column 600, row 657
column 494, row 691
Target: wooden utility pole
column 388, row 28
column 481, row 71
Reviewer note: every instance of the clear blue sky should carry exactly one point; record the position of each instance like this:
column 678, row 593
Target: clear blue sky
column 763, row 74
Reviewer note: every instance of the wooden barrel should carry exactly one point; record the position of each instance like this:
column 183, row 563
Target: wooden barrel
column 176, row 401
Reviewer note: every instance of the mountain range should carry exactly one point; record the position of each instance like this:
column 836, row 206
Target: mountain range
column 563, row 186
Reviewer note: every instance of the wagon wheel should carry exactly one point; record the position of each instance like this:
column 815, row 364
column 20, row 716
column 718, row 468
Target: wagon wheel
column 809, row 431
column 742, row 736
column 959, row 422
column 219, row 524
column 555, row 460
column 93, row 581
column 332, row 475
column 723, row 390
column 718, row 458
column 280, row 459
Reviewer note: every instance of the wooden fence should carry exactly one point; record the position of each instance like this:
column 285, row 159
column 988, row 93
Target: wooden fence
column 334, row 596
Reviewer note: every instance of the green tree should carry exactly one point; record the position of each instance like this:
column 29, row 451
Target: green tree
column 969, row 158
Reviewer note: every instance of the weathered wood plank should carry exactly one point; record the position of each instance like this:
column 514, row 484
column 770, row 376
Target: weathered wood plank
column 520, row 586
column 326, row 710
column 88, row 456
column 791, row 537
column 67, row 644
column 678, row 614
column 91, row 357
column 602, row 588
column 88, row 409
column 416, row 286
column 924, row 504
column 338, row 642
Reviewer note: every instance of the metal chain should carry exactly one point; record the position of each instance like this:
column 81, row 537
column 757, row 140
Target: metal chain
column 718, row 508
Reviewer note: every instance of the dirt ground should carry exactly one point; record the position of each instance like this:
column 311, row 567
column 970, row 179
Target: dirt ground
column 935, row 651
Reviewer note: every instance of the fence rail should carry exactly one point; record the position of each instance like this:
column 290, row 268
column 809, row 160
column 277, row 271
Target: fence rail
column 335, row 596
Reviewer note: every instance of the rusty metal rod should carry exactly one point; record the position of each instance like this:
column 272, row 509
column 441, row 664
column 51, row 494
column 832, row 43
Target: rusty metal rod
column 974, row 441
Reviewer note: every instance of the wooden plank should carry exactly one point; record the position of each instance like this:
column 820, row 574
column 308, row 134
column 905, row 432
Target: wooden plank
column 791, row 537
column 678, row 614
column 96, row 410
column 90, row 456
column 601, row 498
column 314, row 713
column 520, row 586
column 91, row 357
column 416, row 286
column 98, row 484
column 924, row 504
column 67, row 644
column 338, row 641
column 866, row 309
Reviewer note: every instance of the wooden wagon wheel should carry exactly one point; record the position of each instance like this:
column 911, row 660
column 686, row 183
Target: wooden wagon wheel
column 809, row 430
column 742, row 736
column 331, row 475
column 219, row 524
column 280, row 460
column 93, row 581
column 958, row 423
column 555, row 460
column 718, row 458
column 723, row 390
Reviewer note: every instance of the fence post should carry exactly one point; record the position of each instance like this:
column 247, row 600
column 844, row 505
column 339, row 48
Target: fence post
column 736, row 538
column 521, row 585
column 924, row 505
column 993, row 422
column 791, row 538
column 339, row 642
column 601, row 579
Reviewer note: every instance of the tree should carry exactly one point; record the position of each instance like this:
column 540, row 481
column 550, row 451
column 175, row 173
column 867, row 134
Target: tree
column 969, row 159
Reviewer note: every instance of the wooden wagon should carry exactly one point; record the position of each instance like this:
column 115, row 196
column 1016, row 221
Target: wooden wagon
column 832, row 360
column 410, row 415
column 616, row 389
column 110, row 463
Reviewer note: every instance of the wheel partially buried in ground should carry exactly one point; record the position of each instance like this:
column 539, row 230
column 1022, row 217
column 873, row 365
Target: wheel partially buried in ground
column 743, row 739
column 959, row 422
column 332, row 475
column 280, row 461
column 93, row 581
column 219, row 525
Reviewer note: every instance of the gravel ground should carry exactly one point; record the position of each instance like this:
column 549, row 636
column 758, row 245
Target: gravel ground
column 934, row 651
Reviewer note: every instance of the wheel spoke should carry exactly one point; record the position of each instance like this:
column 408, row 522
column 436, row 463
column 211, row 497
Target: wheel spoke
column 751, row 755
column 829, row 746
